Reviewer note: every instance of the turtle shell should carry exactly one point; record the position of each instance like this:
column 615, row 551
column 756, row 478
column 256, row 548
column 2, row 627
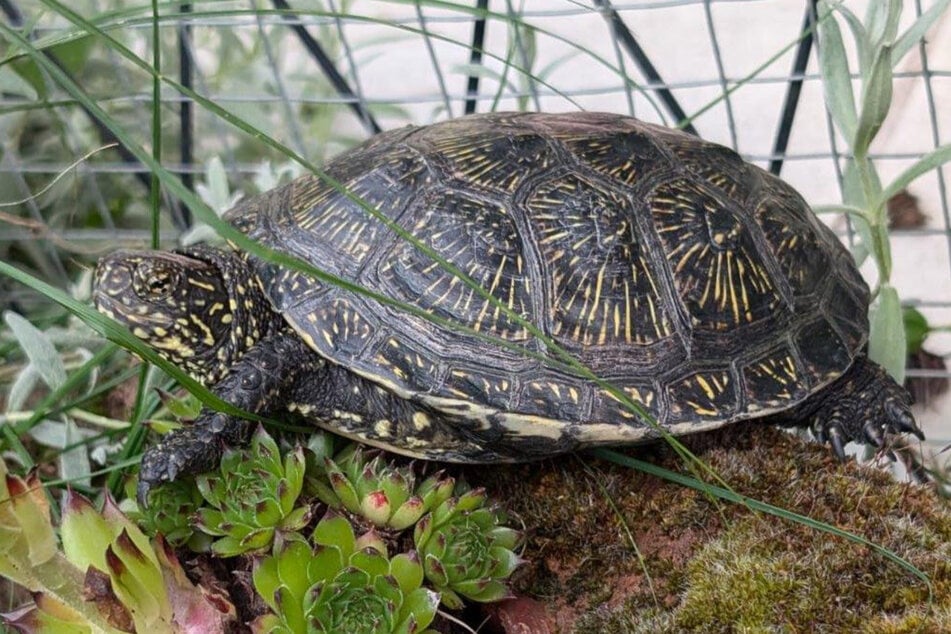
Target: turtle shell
column 697, row 283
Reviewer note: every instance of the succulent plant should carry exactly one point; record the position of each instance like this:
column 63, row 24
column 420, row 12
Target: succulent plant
column 108, row 577
column 466, row 551
column 251, row 498
column 169, row 511
column 343, row 584
column 381, row 492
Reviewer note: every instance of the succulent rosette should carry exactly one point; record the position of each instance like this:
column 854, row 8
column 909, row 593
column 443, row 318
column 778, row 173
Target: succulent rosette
column 109, row 578
column 251, row 498
column 465, row 550
column 343, row 584
column 169, row 511
column 379, row 491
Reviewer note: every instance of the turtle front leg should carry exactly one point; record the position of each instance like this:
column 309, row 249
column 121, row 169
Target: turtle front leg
column 257, row 383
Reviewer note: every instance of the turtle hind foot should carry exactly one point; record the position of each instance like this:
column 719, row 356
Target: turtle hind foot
column 865, row 405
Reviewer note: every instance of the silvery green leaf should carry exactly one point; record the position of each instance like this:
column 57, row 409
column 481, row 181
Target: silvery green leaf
column 860, row 35
column 836, row 79
column 853, row 194
column 49, row 433
column 926, row 163
column 916, row 32
column 887, row 335
column 52, row 433
column 74, row 462
column 215, row 191
column 200, row 232
column 81, row 289
column 839, row 209
column 267, row 176
column 865, row 242
column 22, row 387
column 860, row 252
column 876, row 100
column 891, row 22
column 41, row 353
column 881, row 21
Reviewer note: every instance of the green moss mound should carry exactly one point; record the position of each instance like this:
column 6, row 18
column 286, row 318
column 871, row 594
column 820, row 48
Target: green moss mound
column 700, row 565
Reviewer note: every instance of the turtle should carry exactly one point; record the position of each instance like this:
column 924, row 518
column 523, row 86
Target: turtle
column 482, row 252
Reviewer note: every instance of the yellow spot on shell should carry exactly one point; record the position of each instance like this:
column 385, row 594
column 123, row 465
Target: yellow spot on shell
column 383, row 428
column 421, row 421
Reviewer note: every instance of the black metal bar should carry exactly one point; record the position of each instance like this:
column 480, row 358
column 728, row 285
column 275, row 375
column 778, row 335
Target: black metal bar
column 655, row 82
column 185, row 111
column 794, row 89
column 330, row 70
column 475, row 55
column 12, row 12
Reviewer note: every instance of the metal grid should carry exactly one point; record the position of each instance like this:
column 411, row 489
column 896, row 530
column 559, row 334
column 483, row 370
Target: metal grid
column 381, row 63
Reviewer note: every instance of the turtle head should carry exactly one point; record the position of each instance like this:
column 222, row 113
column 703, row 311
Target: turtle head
column 198, row 307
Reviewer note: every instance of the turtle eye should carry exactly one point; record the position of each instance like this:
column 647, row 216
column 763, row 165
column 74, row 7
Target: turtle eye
column 153, row 280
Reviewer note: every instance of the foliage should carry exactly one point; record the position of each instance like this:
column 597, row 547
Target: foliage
column 386, row 495
column 465, row 549
column 108, row 577
column 383, row 493
column 252, row 500
column 880, row 47
column 340, row 583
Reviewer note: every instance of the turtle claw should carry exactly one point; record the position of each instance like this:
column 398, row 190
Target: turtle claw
column 142, row 494
column 873, row 433
column 900, row 419
column 837, row 440
column 831, row 432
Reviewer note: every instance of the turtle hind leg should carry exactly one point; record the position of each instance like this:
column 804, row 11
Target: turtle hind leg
column 258, row 383
column 864, row 405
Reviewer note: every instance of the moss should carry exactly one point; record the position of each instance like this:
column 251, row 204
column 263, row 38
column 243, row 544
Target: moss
column 710, row 566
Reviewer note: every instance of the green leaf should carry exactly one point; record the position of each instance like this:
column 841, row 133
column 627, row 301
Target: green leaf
column 185, row 407
column 407, row 571
column 22, row 387
column 13, row 84
column 853, row 194
column 887, row 337
column 484, row 591
column 876, row 100
column 916, row 32
column 335, row 531
column 881, row 21
column 917, row 329
column 370, row 561
column 932, row 160
column 836, row 79
column 859, row 35
column 422, row 603
column 215, row 191
column 38, row 348
column 74, row 463
column 84, row 533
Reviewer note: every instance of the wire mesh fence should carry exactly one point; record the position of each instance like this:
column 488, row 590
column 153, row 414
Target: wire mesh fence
column 322, row 76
